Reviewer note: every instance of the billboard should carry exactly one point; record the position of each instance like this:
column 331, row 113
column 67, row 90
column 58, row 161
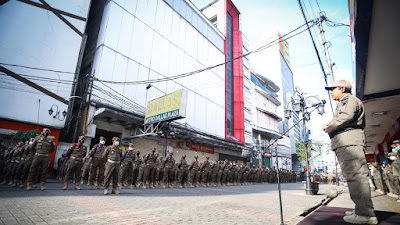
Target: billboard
column 167, row 107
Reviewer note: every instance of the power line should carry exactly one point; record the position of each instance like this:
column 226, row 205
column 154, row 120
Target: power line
column 39, row 78
column 313, row 23
column 35, row 68
column 316, row 51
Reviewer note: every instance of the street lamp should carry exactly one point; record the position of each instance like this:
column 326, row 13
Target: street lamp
column 167, row 132
column 303, row 105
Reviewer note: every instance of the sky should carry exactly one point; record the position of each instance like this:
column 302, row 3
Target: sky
column 262, row 18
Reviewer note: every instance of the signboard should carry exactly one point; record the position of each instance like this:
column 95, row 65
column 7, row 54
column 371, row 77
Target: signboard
column 167, row 107
column 200, row 148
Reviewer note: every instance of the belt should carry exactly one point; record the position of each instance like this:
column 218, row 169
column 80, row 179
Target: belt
column 333, row 134
column 76, row 158
column 39, row 154
column 113, row 162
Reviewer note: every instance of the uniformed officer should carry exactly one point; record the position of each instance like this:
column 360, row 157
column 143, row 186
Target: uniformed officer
column 98, row 163
column 127, row 167
column 346, row 131
column 142, row 171
column 169, row 164
column 15, row 163
column 183, row 171
column 150, row 173
column 76, row 153
column 204, row 171
column 136, row 165
column 113, row 156
column 194, row 169
column 159, row 167
column 42, row 147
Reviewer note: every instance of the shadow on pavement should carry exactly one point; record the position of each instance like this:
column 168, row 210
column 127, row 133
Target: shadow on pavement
column 334, row 216
column 54, row 188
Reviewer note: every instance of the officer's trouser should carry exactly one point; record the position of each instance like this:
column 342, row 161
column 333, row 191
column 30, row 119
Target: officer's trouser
column 193, row 176
column 159, row 174
column 135, row 173
column 219, row 177
column 25, row 170
column 42, row 162
column 149, row 175
column 354, row 167
column 182, row 176
column 142, row 170
column 111, row 172
column 74, row 169
column 168, row 175
column 96, row 171
column 126, row 173
column 204, row 176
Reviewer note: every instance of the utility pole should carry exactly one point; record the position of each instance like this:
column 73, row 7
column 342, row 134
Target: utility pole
column 328, row 57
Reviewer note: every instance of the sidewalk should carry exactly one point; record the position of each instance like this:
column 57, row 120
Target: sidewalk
column 387, row 210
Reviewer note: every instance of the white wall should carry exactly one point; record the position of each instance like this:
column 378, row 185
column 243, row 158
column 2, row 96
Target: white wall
column 34, row 37
column 145, row 40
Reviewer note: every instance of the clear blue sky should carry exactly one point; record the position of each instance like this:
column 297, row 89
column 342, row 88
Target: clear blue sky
column 265, row 17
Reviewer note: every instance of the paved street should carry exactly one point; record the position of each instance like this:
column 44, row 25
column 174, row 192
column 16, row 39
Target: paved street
column 254, row 204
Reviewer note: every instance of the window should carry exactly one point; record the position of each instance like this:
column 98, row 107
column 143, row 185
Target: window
column 229, row 76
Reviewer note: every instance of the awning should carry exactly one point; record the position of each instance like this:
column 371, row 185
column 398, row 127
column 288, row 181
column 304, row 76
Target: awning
column 270, row 133
column 270, row 113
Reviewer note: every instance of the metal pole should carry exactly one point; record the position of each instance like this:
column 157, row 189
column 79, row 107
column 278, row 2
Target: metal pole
column 308, row 178
column 279, row 183
column 328, row 57
column 336, row 174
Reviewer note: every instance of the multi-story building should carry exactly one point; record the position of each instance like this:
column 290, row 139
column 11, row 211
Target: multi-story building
column 265, row 119
column 274, row 64
column 247, row 95
column 140, row 49
column 39, row 47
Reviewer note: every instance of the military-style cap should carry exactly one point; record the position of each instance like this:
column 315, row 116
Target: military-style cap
column 115, row 138
column 392, row 154
column 153, row 149
column 396, row 141
column 339, row 83
column 131, row 145
column 81, row 138
column 196, row 157
column 20, row 143
column 393, row 146
column 183, row 156
column 102, row 138
column 207, row 157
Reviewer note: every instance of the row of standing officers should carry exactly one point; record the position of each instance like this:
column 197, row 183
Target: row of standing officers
column 110, row 165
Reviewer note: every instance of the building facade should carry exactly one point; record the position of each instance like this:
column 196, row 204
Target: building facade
column 274, row 63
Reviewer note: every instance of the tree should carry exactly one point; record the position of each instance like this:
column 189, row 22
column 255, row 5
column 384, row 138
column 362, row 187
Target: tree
column 314, row 151
column 24, row 135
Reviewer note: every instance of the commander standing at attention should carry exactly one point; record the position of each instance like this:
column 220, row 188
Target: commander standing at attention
column 346, row 131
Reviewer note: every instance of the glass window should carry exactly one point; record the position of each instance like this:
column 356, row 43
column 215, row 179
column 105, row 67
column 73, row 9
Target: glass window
column 229, row 77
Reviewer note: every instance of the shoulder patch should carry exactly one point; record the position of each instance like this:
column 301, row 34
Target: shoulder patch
column 345, row 100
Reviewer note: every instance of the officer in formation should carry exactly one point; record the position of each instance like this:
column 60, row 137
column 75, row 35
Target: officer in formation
column 110, row 166
column 387, row 174
column 76, row 153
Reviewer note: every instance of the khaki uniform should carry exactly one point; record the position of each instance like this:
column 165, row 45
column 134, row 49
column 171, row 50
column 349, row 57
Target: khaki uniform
column 98, row 165
column 126, row 168
column 194, row 169
column 149, row 176
column 113, row 156
column 169, row 164
column 42, row 149
column 346, row 131
column 76, row 154
column 136, row 165
column 183, row 171
column 204, row 172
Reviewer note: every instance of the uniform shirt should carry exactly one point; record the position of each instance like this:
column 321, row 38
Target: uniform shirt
column 195, row 165
column 17, row 154
column 137, row 161
column 29, row 152
column 150, row 159
column 348, row 123
column 113, row 153
column 169, row 162
column 97, row 151
column 206, row 165
column 76, row 151
column 44, row 146
column 128, row 157
column 182, row 164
